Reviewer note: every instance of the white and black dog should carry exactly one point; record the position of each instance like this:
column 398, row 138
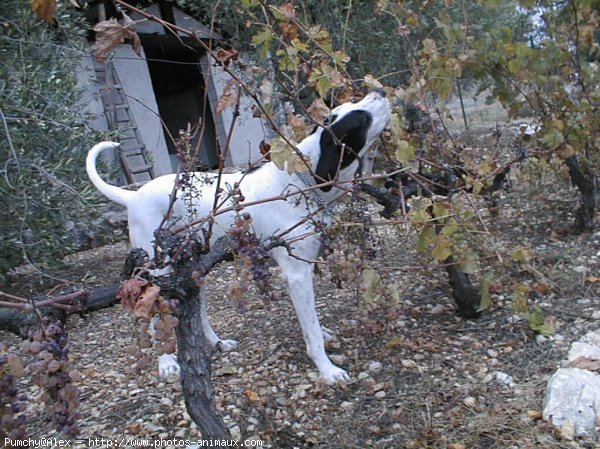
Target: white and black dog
column 333, row 152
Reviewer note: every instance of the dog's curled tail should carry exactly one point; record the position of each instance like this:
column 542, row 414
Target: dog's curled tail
column 113, row 193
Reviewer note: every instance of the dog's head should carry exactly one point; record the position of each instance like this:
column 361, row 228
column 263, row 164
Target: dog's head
column 348, row 131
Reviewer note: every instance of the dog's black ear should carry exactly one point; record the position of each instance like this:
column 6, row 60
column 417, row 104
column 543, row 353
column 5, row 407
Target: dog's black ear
column 351, row 131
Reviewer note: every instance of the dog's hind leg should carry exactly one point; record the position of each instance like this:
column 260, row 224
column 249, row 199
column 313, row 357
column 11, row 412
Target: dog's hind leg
column 298, row 275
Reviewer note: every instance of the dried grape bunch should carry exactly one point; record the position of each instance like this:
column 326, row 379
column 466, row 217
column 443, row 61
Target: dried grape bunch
column 145, row 300
column 51, row 371
column 254, row 259
column 12, row 404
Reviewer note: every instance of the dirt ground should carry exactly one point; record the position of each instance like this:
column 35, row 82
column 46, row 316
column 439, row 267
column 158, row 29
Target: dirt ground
column 421, row 377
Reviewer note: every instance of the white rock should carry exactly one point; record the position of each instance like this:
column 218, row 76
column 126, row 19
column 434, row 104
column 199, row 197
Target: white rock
column 375, row 367
column 408, row 363
column 236, row 433
column 437, row 309
column 493, row 353
column 573, row 394
column 540, row 339
column 593, row 338
column 504, row 379
column 579, row 349
column 363, row 375
column 338, row 359
column 346, row 405
column 470, row 401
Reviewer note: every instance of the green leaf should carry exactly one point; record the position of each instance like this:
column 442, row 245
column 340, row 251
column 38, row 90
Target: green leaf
column 553, row 138
column 425, row 238
column 521, row 255
column 394, row 342
column 405, row 152
column 262, row 40
column 323, row 86
column 371, row 283
column 450, row 228
column 520, row 297
column 442, row 248
column 484, row 292
column 341, row 58
column 285, row 157
column 537, row 321
column 440, row 209
column 470, row 261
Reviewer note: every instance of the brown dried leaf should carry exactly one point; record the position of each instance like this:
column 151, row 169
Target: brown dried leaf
column 583, row 362
column 298, row 125
column 318, row 110
column 228, row 98
column 288, row 10
column 252, row 395
column 129, row 291
column 265, row 150
column 145, row 307
column 226, row 56
column 15, row 366
column 110, row 34
column 565, row 151
column 44, row 9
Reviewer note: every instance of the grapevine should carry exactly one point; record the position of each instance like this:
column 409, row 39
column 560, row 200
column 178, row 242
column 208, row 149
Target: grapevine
column 254, row 259
column 51, row 371
column 12, row 404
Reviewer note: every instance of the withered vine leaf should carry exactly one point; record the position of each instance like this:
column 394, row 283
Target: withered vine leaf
column 44, row 9
column 286, row 158
column 145, row 307
column 228, row 98
column 110, row 34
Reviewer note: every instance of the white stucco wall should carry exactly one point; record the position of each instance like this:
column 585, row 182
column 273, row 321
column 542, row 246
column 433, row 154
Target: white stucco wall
column 248, row 131
column 91, row 104
column 135, row 77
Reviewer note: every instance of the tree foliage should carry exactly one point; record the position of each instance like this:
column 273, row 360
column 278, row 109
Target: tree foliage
column 44, row 134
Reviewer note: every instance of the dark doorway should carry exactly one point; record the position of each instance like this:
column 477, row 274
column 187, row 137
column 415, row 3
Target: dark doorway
column 181, row 95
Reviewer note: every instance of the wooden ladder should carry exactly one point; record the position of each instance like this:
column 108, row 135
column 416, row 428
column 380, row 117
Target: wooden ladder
column 133, row 157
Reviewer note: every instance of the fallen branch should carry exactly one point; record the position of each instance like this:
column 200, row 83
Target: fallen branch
column 19, row 317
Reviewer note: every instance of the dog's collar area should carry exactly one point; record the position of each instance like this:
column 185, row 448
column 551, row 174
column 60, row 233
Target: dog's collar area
column 321, row 202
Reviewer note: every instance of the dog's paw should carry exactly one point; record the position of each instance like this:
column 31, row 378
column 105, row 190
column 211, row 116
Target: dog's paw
column 226, row 345
column 334, row 374
column 168, row 366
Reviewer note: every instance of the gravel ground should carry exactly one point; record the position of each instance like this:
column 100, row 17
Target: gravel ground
column 421, row 377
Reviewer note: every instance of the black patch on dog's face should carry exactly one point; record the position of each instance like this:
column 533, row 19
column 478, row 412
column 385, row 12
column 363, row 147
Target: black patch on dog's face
column 350, row 131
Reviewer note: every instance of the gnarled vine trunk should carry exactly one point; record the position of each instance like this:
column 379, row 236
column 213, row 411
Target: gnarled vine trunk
column 584, row 215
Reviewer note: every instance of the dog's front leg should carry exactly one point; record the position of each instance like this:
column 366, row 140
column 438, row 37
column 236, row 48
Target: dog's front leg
column 298, row 275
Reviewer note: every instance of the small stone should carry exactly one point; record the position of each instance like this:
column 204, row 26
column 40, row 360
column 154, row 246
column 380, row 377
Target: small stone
column 493, row 353
column 346, row 405
column 338, row 359
column 540, row 339
column 378, row 387
column 236, row 433
column 380, row 394
column 407, row 363
column 375, row 367
column 470, row 401
column 363, row 375
column 504, row 379
column 437, row 309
